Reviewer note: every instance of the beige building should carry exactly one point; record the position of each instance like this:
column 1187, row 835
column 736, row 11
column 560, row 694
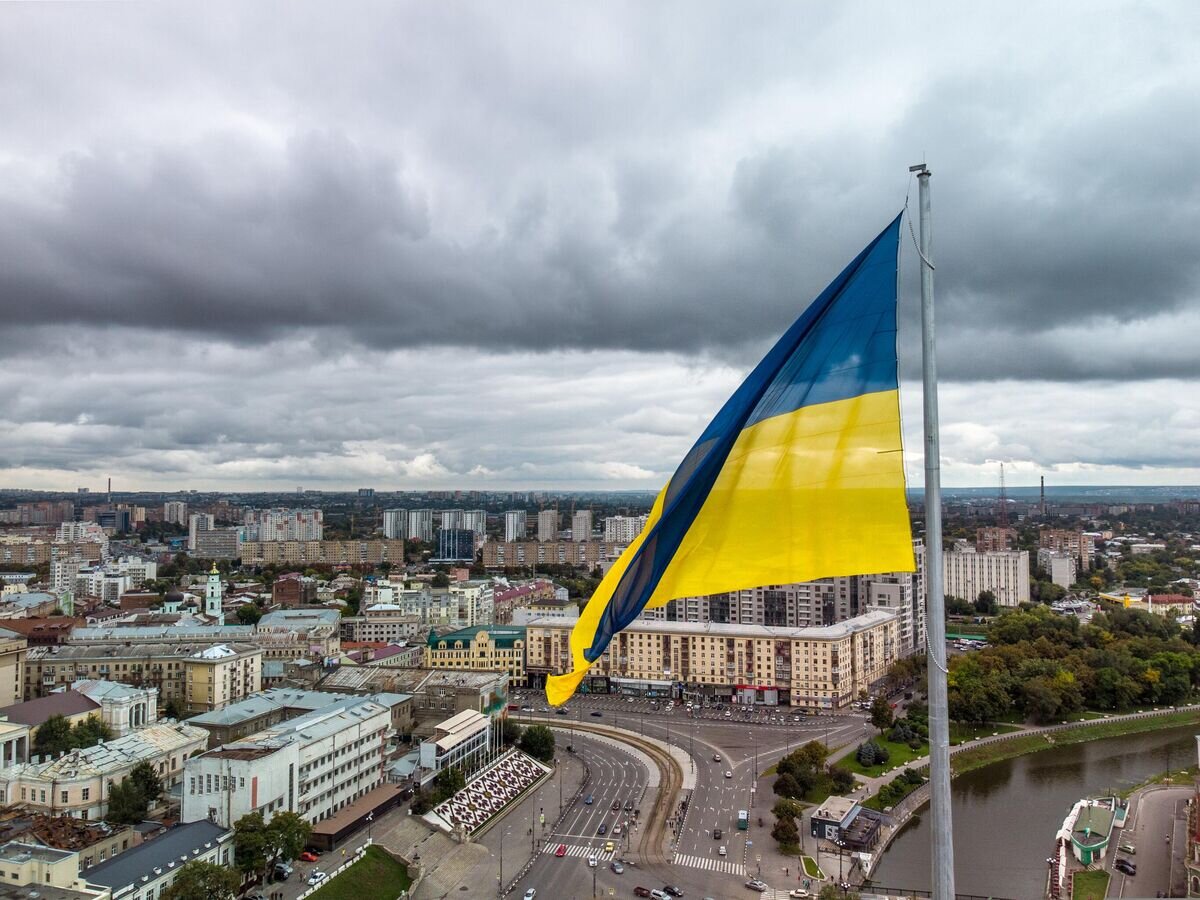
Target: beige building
column 819, row 667
column 76, row 783
column 1004, row 573
column 202, row 676
column 491, row 648
column 333, row 553
column 510, row 554
column 13, row 648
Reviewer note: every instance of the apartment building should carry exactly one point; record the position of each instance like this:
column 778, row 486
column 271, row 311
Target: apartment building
column 197, row 523
column 817, row 668
column 76, row 784
column 284, row 524
column 146, row 871
column 200, row 676
column 475, row 520
column 1079, row 544
column 462, row 604
column 1004, row 573
column 547, row 525
column 491, row 648
column 175, row 512
column 395, row 524
column 312, row 765
column 1061, row 567
column 623, row 529
column 385, row 622
column 515, row 525
column 581, row 525
column 508, row 554
column 992, row 539
column 420, row 526
column 331, row 553
column 13, row 650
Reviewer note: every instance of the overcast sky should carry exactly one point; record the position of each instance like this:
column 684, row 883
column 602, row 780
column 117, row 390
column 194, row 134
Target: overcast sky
column 478, row 245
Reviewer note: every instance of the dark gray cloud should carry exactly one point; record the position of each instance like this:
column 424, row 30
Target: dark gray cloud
column 283, row 241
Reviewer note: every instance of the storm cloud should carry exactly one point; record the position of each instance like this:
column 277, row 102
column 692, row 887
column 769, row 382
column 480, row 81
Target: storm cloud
column 422, row 244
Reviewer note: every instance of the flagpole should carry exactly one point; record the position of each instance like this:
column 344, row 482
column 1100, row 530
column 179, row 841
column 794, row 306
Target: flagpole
column 935, row 609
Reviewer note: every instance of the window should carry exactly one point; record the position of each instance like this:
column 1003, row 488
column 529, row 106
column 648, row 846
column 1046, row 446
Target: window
column 62, row 797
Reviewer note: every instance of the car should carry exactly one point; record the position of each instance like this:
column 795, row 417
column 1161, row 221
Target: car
column 609, row 846
column 616, row 805
column 618, row 867
column 640, row 891
column 530, row 894
column 728, row 774
column 602, row 830
column 593, row 860
column 587, row 801
column 308, row 856
column 672, row 890
column 728, row 714
column 616, row 830
column 560, row 712
column 798, row 892
column 316, row 876
column 1128, row 848
column 716, row 757
column 596, row 713
column 1124, row 865
column 560, row 851
column 659, row 895
column 717, row 834
column 755, row 885
column 721, row 851
column 628, row 806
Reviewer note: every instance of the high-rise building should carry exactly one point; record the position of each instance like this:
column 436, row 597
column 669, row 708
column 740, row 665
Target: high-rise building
column 1079, row 544
column 623, row 529
column 198, row 522
column 1061, row 567
column 176, row 512
column 581, row 525
column 547, row 525
column 451, row 518
column 420, row 525
column 456, row 545
column 1004, row 573
column 515, row 525
column 284, row 524
column 395, row 524
column 991, row 539
column 475, row 520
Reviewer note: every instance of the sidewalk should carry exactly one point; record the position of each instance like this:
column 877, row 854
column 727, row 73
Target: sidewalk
column 471, row 870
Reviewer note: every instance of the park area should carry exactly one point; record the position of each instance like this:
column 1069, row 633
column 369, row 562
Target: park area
column 1089, row 885
column 377, row 876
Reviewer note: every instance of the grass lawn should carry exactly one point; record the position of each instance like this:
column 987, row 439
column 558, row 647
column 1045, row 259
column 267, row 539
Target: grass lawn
column 960, row 732
column 377, row 876
column 1089, row 885
column 811, row 869
column 899, row 755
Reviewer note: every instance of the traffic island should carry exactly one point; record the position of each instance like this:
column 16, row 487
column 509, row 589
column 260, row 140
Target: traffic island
column 811, row 869
column 376, row 875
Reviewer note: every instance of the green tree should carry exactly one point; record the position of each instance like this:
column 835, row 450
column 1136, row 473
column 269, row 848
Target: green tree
column 447, row 783
column 881, row 714
column 126, row 805
column 785, row 832
column 90, row 732
column 833, row 892
column 538, row 742
column 841, row 779
column 147, row 781
column 251, row 845
column 985, row 603
column 287, row 835
column 173, row 709
column 53, row 737
column 510, row 733
column 440, row 580
column 249, row 614
column 199, row 880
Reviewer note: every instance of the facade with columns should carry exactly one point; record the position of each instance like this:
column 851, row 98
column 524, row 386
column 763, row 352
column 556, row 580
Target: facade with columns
column 12, row 667
column 123, row 708
column 14, row 743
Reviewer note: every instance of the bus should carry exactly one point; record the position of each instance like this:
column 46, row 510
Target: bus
column 743, row 820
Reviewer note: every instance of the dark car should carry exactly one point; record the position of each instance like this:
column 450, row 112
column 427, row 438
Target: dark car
column 596, row 713
column 672, row 890
column 603, row 829
column 717, row 834
column 560, row 712
column 628, row 805
column 640, row 891
column 1124, row 865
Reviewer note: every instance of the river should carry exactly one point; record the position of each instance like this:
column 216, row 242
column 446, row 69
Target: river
column 1006, row 814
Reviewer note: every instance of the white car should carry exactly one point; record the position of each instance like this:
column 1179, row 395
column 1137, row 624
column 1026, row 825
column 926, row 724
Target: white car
column 722, row 852
column 593, row 860
column 530, row 894
column 728, row 774
column 316, row 876
column 798, row 892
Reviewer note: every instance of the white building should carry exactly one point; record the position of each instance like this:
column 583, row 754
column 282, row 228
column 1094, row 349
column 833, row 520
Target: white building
column 284, row 524
column 313, row 765
column 1003, row 572
column 451, row 518
column 475, row 520
column 1060, row 566
column 623, row 529
column 464, row 740
column 547, row 525
column 515, row 525
column 198, row 522
column 63, row 573
column 581, row 525
column 395, row 524
column 123, row 707
column 420, row 525
column 175, row 512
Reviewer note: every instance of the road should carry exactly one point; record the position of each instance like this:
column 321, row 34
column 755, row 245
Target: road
column 1158, row 814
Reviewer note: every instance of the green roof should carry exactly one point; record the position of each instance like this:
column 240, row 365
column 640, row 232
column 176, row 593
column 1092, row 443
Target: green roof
column 1093, row 825
column 500, row 635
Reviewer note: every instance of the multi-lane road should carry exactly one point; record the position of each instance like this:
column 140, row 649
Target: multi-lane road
column 746, row 742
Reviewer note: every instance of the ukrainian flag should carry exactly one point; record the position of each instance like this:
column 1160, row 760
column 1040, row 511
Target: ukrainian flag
column 799, row 476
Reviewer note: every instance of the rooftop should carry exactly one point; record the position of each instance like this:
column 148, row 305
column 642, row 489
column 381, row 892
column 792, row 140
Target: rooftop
column 265, row 702
column 165, row 851
column 73, row 652
column 35, row 712
column 1093, row 824
column 836, row 809
column 110, row 757
column 499, row 635
column 844, row 629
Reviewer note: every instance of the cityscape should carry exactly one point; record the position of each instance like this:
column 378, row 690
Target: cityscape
column 564, row 451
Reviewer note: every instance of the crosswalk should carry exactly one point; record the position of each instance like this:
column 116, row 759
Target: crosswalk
column 710, row 863
column 581, row 850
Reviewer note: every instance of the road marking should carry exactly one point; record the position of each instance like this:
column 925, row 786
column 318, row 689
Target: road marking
column 581, row 851
column 710, row 864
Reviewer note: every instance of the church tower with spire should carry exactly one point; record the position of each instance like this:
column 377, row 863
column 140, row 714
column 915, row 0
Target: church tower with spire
column 212, row 596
